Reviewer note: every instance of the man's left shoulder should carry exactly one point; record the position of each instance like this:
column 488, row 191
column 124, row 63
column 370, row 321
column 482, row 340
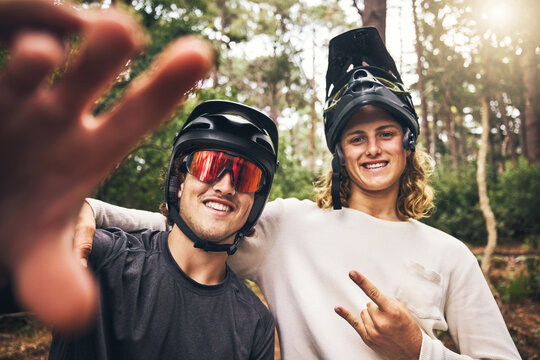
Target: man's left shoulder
column 438, row 238
column 248, row 298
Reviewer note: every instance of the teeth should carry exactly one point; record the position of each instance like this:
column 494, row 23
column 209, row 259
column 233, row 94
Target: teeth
column 217, row 206
column 375, row 166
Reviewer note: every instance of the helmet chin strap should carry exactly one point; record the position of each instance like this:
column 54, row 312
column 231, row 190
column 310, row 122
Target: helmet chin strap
column 336, row 178
column 200, row 243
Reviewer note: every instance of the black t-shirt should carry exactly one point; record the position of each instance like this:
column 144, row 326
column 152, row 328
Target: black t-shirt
column 150, row 309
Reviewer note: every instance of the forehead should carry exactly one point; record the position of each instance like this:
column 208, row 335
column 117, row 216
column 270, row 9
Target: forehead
column 368, row 117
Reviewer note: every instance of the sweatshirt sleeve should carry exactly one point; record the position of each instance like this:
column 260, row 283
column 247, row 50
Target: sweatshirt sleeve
column 253, row 251
column 474, row 320
column 108, row 215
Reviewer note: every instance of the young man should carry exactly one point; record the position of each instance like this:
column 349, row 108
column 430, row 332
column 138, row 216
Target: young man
column 170, row 295
column 421, row 280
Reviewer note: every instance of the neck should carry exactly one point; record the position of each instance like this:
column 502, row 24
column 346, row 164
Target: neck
column 380, row 204
column 207, row 268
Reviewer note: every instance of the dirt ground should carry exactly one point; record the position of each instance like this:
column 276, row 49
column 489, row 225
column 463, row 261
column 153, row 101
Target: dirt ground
column 23, row 338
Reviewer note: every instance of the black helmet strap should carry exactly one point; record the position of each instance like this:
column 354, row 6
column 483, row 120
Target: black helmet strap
column 409, row 140
column 336, row 178
column 200, row 243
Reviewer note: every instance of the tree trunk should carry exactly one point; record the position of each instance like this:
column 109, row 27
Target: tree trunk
column 509, row 139
column 434, row 133
column 523, row 132
column 274, row 105
column 501, row 159
column 463, row 139
column 222, row 6
column 421, row 91
column 530, row 80
column 489, row 217
column 451, row 129
column 373, row 14
column 313, row 111
column 491, row 150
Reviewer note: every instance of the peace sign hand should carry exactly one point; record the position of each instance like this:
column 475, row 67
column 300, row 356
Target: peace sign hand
column 386, row 325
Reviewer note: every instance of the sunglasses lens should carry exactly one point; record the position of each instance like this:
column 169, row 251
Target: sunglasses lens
column 208, row 166
column 249, row 178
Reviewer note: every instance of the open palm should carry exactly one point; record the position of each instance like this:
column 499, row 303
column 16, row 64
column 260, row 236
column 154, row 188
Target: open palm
column 54, row 152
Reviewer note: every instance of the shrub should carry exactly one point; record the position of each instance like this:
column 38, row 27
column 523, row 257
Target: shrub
column 514, row 198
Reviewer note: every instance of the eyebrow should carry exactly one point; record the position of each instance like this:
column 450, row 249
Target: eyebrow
column 383, row 127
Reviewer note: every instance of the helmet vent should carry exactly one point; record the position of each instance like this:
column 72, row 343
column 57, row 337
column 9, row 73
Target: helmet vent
column 201, row 124
column 264, row 142
column 360, row 74
column 363, row 86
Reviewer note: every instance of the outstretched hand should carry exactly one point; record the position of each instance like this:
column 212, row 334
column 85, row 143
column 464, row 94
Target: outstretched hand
column 54, row 152
column 386, row 325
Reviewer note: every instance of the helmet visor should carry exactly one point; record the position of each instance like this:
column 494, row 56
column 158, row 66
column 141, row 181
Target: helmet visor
column 209, row 166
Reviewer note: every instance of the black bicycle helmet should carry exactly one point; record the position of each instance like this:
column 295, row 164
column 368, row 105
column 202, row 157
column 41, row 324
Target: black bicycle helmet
column 361, row 72
column 212, row 125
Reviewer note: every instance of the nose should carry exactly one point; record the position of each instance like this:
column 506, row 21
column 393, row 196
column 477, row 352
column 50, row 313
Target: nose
column 225, row 184
column 373, row 147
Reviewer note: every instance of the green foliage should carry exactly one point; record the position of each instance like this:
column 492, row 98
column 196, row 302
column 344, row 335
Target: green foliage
column 532, row 264
column 514, row 198
column 525, row 284
column 292, row 178
column 517, row 199
column 457, row 210
column 515, row 289
column 532, row 241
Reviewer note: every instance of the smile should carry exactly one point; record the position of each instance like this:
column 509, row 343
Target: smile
column 376, row 165
column 218, row 206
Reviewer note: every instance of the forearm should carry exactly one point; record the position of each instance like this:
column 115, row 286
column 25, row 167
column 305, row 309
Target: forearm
column 473, row 317
column 434, row 349
column 108, row 215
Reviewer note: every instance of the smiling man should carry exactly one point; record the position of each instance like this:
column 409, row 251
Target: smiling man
column 170, row 295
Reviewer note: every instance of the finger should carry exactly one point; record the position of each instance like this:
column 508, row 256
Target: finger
column 84, row 234
column 374, row 313
column 369, row 289
column 111, row 38
column 356, row 323
column 33, row 57
column 38, row 14
column 369, row 325
column 53, row 286
column 153, row 97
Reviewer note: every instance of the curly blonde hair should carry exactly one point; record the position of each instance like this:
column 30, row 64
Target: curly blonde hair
column 415, row 197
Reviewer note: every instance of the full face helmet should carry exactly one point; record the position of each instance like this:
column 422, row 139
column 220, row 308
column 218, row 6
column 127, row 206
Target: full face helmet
column 361, row 72
column 232, row 128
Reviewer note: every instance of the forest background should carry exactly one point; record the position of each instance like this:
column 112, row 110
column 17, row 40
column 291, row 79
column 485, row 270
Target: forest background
column 473, row 68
